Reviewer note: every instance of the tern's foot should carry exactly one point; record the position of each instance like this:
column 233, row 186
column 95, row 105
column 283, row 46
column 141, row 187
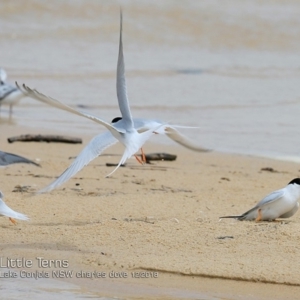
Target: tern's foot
column 259, row 216
column 13, row 221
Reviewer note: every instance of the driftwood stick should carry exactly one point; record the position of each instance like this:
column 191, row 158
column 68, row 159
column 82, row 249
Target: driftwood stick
column 45, row 138
column 160, row 156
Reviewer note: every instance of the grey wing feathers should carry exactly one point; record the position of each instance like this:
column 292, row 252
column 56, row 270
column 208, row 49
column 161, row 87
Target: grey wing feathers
column 53, row 102
column 95, row 147
column 169, row 130
column 176, row 136
column 274, row 196
column 121, row 84
column 9, row 158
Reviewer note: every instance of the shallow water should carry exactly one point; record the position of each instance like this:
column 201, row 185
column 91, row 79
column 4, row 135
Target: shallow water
column 49, row 288
column 231, row 68
column 25, row 288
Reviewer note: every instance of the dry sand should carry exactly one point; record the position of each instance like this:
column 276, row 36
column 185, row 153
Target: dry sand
column 160, row 218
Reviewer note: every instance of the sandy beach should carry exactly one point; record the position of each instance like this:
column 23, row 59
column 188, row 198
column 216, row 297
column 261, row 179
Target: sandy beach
column 161, row 218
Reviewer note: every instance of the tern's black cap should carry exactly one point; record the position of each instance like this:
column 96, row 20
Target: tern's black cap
column 296, row 180
column 115, row 120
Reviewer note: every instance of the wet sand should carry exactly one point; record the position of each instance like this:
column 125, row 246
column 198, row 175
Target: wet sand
column 162, row 218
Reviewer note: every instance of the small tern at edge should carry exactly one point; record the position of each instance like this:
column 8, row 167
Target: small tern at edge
column 281, row 204
column 9, row 94
column 132, row 133
column 5, row 211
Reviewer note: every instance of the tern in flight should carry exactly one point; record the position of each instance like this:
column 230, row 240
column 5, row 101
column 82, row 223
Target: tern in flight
column 5, row 211
column 132, row 133
column 282, row 203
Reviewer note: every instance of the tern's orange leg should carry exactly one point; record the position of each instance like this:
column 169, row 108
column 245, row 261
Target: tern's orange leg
column 13, row 221
column 138, row 159
column 259, row 216
column 143, row 157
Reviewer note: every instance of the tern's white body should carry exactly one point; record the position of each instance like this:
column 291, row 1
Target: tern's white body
column 8, row 212
column 282, row 203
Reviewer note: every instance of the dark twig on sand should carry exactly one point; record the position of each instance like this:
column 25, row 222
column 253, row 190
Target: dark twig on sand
column 45, row 138
column 160, row 156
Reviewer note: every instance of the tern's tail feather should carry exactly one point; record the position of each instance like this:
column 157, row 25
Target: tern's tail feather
column 10, row 213
column 125, row 156
column 20, row 216
column 232, row 217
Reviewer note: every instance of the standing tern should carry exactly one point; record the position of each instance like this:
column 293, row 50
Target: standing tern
column 282, row 203
column 8, row 212
column 9, row 158
column 131, row 132
column 9, row 94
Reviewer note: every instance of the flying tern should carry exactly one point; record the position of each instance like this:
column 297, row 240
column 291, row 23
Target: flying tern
column 9, row 94
column 123, row 130
column 8, row 212
column 282, row 203
column 9, row 158
column 132, row 133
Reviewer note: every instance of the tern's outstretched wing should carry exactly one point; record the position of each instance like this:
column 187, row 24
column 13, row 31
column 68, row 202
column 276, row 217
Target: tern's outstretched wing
column 9, row 158
column 121, row 85
column 8, row 212
column 53, row 102
column 179, row 138
column 95, row 147
column 169, row 130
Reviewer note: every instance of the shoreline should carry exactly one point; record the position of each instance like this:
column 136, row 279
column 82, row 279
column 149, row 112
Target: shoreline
column 161, row 141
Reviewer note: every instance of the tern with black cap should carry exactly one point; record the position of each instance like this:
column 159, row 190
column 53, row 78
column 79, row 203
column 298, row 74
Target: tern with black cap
column 279, row 204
